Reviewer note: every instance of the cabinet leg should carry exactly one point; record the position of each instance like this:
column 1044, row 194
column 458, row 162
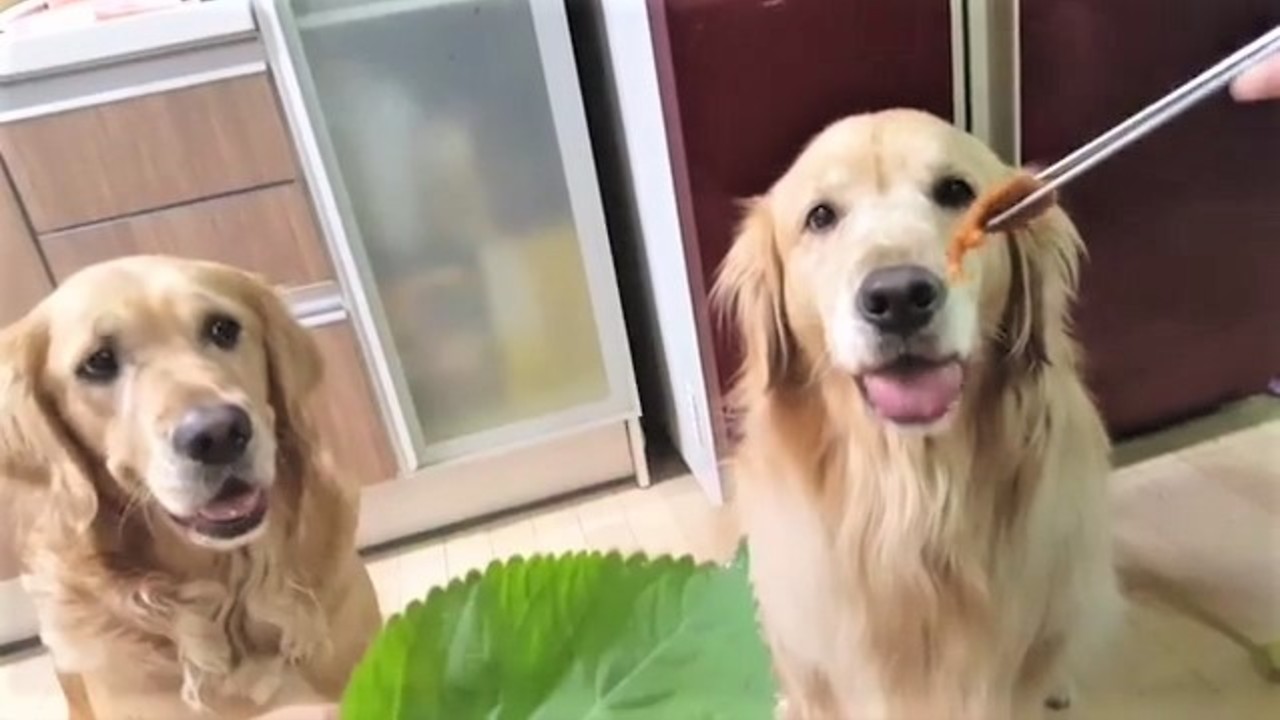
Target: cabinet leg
column 639, row 461
column 77, row 697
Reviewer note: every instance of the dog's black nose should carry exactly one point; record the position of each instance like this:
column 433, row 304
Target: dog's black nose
column 213, row 434
column 900, row 299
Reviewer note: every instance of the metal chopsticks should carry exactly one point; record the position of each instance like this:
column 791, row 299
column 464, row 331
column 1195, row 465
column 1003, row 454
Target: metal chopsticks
column 1146, row 120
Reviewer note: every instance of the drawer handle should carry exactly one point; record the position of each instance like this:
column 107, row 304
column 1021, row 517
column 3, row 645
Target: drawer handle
column 318, row 320
column 317, row 305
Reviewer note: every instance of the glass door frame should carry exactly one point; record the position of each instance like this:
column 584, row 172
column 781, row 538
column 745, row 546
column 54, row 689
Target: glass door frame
column 299, row 98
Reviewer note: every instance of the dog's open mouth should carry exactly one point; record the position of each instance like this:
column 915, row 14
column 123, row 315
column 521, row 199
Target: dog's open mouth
column 237, row 509
column 914, row 390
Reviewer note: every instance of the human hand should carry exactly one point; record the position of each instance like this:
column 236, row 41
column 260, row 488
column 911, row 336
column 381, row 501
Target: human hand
column 302, row 712
column 1260, row 82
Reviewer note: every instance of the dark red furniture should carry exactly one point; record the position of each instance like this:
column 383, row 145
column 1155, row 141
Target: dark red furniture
column 1180, row 305
column 745, row 83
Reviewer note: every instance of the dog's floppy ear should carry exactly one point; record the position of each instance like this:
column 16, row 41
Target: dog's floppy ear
column 294, row 370
column 41, row 467
column 1044, row 260
column 749, row 291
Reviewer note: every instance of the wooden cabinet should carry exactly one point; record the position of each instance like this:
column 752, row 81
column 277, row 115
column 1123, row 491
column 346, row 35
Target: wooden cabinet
column 148, row 152
column 346, row 411
column 23, row 279
column 268, row 231
column 10, row 566
column 206, row 172
column 346, row 415
column 1193, row 210
column 23, row 282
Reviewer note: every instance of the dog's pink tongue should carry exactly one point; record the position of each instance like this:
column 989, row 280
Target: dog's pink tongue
column 918, row 396
column 232, row 508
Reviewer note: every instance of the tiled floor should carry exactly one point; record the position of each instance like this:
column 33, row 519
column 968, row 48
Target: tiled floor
column 1165, row 666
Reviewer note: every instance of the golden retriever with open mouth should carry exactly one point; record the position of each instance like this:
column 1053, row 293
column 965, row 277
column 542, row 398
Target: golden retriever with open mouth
column 921, row 470
column 189, row 550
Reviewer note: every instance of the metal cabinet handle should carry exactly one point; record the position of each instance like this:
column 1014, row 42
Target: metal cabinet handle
column 318, row 305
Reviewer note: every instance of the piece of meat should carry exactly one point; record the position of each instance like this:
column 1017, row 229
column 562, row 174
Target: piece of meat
column 973, row 230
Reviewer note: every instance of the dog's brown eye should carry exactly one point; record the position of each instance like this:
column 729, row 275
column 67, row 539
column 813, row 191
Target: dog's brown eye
column 821, row 217
column 222, row 331
column 953, row 193
column 102, row 366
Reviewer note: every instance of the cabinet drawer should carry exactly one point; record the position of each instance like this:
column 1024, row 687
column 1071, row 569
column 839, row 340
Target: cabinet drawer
column 268, row 231
column 346, row 411
column 23, row 280
column 147, row 152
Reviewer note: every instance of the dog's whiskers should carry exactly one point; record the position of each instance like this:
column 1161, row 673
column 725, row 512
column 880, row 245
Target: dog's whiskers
column 133, row 504
column 820, row 366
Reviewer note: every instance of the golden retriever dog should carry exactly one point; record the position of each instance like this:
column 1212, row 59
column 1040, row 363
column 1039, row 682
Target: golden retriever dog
column 921, row 471
column 187, row 545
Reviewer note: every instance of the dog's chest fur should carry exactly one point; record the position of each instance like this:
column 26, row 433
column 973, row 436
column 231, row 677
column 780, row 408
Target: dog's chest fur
column 233, row 634
column 903, row 570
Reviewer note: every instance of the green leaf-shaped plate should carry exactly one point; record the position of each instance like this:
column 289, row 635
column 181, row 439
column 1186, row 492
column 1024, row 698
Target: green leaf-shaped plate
column 581, row 636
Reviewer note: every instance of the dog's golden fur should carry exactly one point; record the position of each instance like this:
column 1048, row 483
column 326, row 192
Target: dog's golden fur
column 141, row 621
column 956, row 571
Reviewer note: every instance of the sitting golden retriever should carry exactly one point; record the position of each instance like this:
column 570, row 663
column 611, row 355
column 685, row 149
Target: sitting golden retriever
column 189, row 550
column 921, row 471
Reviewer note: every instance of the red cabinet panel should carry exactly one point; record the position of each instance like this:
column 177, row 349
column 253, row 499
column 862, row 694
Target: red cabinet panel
column 746, row 83
column 1180, row 305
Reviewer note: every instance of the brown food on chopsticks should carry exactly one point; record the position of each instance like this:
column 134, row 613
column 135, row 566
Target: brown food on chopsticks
column 973, row 230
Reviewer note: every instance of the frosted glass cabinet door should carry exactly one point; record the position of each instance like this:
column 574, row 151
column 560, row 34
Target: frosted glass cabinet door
column 446, row 143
